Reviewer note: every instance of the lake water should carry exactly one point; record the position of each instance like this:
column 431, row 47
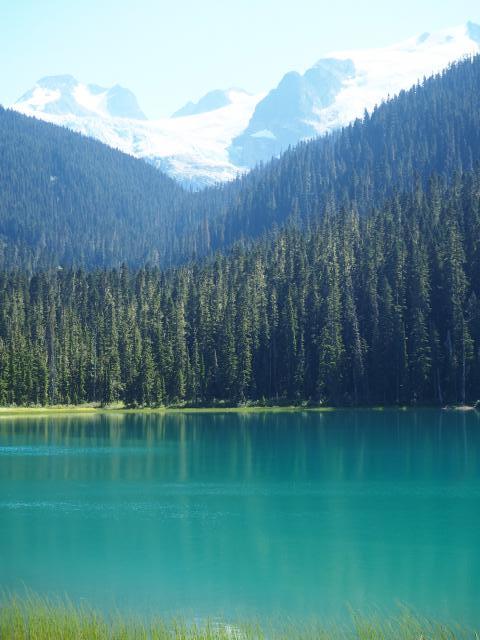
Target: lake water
column 253, row 515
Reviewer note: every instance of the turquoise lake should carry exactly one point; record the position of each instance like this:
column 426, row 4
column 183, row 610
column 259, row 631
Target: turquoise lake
column 254, row 515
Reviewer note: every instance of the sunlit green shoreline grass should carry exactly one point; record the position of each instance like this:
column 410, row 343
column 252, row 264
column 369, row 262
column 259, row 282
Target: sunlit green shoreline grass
column 79, row 410
column 118, row 409
column 34, row 618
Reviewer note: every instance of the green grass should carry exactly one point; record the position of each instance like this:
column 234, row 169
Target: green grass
column 119, row 408
column 34, row 618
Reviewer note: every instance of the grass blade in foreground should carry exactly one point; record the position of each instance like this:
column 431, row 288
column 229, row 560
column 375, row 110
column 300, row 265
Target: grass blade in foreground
column 32, row 617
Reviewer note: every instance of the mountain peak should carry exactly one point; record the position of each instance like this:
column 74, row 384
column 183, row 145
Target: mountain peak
column 473, row 31
column 122, row 103
column 210, row 102
column 58, row 81
column 63, row 95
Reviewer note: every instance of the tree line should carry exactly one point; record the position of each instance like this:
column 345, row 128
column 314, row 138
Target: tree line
column 354, row 309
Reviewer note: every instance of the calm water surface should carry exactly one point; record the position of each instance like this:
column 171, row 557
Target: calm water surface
column 245, row 515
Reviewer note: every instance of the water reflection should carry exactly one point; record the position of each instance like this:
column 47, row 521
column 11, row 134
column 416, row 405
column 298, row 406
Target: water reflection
column 297, row 513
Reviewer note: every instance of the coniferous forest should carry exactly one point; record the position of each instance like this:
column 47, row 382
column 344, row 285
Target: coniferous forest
column 382, row 308
column 345, row 272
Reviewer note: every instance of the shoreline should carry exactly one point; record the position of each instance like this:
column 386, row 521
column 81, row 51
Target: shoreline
column 120, row 409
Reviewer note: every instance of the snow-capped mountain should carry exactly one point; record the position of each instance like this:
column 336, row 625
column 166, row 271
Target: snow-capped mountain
column 287, row 114
column 65, row 96
column 339, row 87
column 227, row 132
column 210, row 102
column 191, row 146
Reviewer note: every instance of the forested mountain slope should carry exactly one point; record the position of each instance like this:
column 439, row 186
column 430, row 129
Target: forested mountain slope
column 67, row 200
column 433, row 128
column 358, row 309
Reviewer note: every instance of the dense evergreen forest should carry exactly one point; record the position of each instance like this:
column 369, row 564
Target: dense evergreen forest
column 66, row 200
column 382, row 308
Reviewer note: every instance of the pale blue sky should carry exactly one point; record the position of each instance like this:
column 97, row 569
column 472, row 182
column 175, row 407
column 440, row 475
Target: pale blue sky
column 169, row 52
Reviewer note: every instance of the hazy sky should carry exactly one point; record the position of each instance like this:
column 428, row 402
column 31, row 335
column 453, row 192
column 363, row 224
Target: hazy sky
column 169, row 52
